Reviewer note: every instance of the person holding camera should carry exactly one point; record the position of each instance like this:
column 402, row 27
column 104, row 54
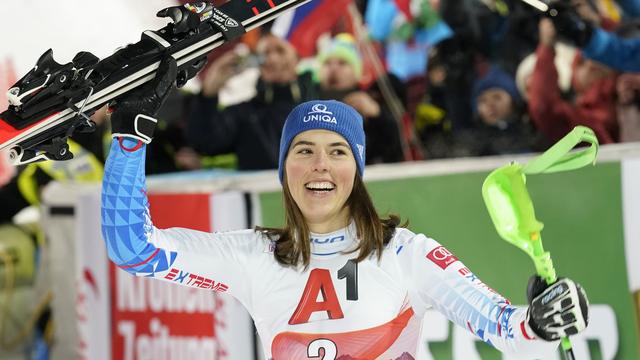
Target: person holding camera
column 578, row 23
column 251, row 129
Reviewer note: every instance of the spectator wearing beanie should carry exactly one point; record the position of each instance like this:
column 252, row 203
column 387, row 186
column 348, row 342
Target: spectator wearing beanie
column 495, row 98
column 501, row 122
column 339, row 74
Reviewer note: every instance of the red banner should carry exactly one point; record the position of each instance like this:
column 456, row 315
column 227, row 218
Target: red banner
column 157, row 320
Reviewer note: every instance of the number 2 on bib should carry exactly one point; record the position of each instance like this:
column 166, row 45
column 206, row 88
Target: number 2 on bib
column 330, row 349
column 320, row 282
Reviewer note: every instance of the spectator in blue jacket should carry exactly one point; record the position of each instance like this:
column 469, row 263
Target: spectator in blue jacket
column 614, row 51
column 597, row 44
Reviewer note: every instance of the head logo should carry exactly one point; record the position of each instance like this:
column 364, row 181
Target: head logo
column 319, row 112
column 231, row 23
column 320, row 108
column 360, row 151
column 441, row 257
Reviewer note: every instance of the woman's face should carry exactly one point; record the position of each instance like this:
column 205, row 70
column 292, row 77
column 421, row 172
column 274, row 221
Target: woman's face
column 320, row 171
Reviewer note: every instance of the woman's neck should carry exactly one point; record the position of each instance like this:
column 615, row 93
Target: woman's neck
column 327, row 226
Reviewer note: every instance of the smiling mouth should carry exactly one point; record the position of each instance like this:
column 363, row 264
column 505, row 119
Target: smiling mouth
column 320, row 186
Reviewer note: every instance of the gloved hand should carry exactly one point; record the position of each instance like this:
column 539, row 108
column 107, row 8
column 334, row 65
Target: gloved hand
column 557, row 310
column 133, row 115
column 569, row 24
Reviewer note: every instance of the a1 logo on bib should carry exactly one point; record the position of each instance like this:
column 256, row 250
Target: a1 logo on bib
column 442, row 257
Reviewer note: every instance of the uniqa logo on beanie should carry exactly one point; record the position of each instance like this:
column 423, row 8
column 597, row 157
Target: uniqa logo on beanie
column 319, row 112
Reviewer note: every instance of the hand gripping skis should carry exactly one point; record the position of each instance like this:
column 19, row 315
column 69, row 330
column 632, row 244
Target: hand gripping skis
column 52, row 101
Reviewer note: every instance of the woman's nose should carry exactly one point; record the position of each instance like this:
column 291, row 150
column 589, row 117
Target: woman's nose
column 320, row 162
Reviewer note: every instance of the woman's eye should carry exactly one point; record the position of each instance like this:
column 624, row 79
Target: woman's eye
column 338, row 152
column 304, row 151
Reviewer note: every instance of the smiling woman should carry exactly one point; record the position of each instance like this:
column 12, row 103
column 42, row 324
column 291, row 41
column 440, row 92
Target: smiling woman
column 319, row 172
column 337, row 281
column 322, row 156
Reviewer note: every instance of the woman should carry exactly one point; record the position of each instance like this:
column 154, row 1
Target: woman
column 337, row 281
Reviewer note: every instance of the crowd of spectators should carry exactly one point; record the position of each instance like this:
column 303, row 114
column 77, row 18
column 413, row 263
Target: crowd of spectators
column 510, row 79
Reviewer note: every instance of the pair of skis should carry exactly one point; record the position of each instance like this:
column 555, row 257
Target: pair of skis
column 52, row 101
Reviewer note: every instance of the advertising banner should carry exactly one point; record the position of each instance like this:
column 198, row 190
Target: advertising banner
column 104, row 313
column 152, row 319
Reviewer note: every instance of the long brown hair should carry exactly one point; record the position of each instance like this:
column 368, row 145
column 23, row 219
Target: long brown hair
column 293, row 243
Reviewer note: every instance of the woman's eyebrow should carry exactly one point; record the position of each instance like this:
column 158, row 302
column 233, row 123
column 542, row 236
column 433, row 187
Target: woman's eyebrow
column 303, row 142
column 310, row 143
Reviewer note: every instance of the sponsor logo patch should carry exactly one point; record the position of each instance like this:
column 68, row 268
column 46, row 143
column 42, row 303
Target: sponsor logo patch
column 270, row 247
column 360, row 151
column 442, row 257
column 553, row 294
column 194, row 280
column 328, row 240
column 319, row 112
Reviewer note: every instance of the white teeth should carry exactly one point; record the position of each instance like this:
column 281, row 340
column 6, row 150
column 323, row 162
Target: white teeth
column 320, row 185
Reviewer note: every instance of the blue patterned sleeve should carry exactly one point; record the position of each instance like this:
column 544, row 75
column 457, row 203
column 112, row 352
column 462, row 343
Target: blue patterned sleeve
column 126, row 223
column 213, row 261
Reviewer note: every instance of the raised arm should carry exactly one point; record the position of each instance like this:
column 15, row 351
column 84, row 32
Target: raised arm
column 609, row 49
column 183, row 256
column 445, row 283
column 210, row 130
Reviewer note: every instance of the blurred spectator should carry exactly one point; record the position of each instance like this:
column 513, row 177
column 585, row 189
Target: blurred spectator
column 607, row 48
column 502, row 123
column 250, row 129
column 577, row 23
column 499, row 32
column 173, row 152
column 631, row 8
column 508, row 31
column 593, row 104
column 454, row 59
column 339, row 76
column 433, row 118
column 564, row 59
column 628, row 91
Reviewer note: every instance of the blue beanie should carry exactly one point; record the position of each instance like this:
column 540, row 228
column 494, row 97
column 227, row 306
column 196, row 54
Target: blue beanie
column 329, row 115
column 494, row 78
